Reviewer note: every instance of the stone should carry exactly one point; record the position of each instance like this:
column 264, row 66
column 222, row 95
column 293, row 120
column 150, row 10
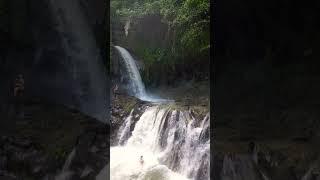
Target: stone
column 36, row 169
column 3, row 162
column 93, row 149
column 104, row 145
column 87, row 170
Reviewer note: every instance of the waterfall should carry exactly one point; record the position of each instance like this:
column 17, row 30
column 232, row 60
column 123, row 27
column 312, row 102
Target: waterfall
column 174, row 146
column 87, row 73
column 136, row 85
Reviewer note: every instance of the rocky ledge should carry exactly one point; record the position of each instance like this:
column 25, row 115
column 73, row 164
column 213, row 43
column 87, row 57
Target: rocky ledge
column 52, row 142
column 123, row 105
column 267, row 160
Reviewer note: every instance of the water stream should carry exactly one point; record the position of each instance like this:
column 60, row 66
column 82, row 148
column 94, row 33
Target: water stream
column 174, row 146
column 136, row 85
column 165, row 144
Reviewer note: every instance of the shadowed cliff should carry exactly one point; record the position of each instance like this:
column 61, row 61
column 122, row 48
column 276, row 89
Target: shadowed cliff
column 58, row 46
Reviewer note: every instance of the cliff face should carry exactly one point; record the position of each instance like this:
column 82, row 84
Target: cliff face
column 97, row 15
column 21, row 17
column 149, row 36
column 146, row 31
column 78, row 144
column 41, row 42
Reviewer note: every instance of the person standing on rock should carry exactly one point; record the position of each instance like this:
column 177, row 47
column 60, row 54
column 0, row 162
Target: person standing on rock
column 18, row 91
column 18, row 86
column 251, row 147
column 115, row 89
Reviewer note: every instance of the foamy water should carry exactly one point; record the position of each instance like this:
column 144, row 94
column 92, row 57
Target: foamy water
column 172, row 146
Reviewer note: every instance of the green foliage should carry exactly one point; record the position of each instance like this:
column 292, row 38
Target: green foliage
column 189, row 18
column 130, row 8
column 188, row 35
column 193, row 21
column 151, row 55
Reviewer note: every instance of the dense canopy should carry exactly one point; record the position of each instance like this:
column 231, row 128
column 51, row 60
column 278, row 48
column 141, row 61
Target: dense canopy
column 189, row 18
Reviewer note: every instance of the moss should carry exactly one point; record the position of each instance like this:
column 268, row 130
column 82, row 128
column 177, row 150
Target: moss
column 199, row 112
column 126, row 103
column 129, row 106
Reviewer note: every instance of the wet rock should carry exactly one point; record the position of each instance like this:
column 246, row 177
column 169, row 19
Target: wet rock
column 69, row 175
column 104, row 145
column 4, row 175
column 94, row 149
column 216, row 168
column 90, row 154
column 86, row 172
column 239, row 167
column 103, row 173
column 3, row 162
column 49, row 177
column 36, row 169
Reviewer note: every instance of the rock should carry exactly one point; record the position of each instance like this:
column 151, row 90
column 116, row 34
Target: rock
column 104, row 173
column 36, row 169
column 89, row 156
column 104, row 145
column 4, row 175
column 49, row 177
column 87, row 170
column 24, row 143
column 238, row 167
column 93, row 149
column 69, row 175
column 21, row 153
column 3, row 162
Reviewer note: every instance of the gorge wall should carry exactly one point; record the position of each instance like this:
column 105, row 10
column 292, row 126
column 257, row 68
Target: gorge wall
column 147, row 37
column 36, row 47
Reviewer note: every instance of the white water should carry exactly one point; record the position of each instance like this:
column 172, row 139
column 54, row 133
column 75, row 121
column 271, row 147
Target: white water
column 172, row 145
column 124, row 130
column 133, row 72
column 136, row 85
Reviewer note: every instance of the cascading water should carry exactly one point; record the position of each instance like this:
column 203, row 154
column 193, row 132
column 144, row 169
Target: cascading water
column 124, row 131
column 136, row 85
column 174, row 146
